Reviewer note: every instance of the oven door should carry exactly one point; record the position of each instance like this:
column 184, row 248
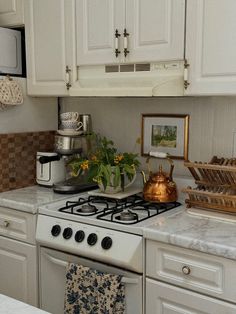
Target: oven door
column 53, row 280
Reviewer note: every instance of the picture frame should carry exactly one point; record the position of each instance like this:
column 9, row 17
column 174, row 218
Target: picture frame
column 166, row 133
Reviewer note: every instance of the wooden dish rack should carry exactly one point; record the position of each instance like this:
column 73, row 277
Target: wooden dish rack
column 216, row 185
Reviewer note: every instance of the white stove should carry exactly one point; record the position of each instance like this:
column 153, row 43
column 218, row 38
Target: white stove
column 127, row 215
column 101, row 233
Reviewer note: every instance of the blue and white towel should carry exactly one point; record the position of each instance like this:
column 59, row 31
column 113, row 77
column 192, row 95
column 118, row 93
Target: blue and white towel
column 90, row 291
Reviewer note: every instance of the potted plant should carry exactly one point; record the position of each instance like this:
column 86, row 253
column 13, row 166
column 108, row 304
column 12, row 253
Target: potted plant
column 111, row 170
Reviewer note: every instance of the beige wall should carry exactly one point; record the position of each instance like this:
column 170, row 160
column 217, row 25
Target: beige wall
column 212, row 122
column 35, row 114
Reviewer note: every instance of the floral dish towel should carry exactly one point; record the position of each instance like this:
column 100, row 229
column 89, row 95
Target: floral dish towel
column 90, row 291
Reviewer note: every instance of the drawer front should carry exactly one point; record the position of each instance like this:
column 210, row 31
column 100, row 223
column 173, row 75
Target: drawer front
column 190, row 269
column 162, row 298
column 17, row 225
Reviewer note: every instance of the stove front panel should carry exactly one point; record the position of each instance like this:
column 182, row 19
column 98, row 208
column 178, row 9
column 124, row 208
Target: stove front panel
column 109, row 246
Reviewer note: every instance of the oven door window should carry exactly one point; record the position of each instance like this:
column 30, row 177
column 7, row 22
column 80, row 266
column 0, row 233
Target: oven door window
column 53, row 281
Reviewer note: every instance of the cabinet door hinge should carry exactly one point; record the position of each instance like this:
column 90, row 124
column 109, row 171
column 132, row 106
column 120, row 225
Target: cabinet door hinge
column 186, row 82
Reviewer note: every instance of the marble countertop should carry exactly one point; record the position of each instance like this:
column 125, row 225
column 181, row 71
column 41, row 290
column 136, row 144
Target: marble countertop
column 199, row 230
column 12, row 306
column 196, row 229
column 28, row 199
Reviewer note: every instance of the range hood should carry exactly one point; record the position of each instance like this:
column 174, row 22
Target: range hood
column 141, row 79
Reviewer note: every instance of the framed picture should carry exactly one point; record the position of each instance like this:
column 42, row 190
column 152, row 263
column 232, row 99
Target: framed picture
column 166, row 133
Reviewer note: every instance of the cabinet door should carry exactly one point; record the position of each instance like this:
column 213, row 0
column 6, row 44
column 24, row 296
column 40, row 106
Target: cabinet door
column 156, row 30
column 97, row 22
column 49, row 27
column 11, row 13
column 18, row 270
column 211, row 47
column 162, row 298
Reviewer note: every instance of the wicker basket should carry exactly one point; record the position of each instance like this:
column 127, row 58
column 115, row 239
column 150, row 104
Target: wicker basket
column 216, row 185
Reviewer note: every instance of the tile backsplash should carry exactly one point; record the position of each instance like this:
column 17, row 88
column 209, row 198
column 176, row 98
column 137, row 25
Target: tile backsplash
column 18, row 157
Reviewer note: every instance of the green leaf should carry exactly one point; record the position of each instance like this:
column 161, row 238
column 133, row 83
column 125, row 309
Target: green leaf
column 105, row 172
column 122, row 181
column 117, row 177
column 92, row 173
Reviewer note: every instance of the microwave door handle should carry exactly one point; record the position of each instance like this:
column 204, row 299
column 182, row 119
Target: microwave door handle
column 56, row 261
column 125, row 280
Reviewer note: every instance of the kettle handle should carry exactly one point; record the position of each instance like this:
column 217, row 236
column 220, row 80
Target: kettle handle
column 161, row 155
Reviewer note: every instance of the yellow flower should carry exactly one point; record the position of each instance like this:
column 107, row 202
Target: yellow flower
column 84, row 165
column 118, row 159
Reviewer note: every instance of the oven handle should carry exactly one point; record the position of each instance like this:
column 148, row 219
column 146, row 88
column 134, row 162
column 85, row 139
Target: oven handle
column 59, row 262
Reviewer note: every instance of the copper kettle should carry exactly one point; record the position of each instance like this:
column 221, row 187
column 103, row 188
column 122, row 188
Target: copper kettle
column 160, row 187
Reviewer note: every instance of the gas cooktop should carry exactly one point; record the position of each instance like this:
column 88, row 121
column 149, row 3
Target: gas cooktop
column 130, row 210
column 119, row 214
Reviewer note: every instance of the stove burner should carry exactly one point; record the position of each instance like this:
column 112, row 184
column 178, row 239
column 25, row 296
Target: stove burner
column 127, row 215
column 87, row 208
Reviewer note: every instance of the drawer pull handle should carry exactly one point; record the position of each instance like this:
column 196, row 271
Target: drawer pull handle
column 186, row 270
column 6, row 223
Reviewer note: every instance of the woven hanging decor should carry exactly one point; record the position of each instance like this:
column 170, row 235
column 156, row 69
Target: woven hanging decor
column 10, row 93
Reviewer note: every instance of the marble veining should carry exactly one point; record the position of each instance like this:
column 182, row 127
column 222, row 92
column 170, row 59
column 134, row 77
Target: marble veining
column 28, row 199
column 11, row 306
column 208, row 235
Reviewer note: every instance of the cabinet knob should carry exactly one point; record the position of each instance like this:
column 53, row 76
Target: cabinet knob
column 186, row 270
column 6, row 223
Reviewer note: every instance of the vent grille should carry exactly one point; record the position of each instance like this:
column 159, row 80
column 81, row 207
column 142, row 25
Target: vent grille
column 139, row 67
column 112, row 68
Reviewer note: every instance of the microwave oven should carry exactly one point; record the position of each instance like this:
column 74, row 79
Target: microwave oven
column 10, row 52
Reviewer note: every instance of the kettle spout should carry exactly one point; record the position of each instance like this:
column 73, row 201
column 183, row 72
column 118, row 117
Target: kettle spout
column 144, row 177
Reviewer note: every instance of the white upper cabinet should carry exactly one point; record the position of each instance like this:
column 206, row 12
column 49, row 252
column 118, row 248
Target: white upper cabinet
column 11, row 13
column 211, row 47
column 50, row 49
column 156, row 30
column 99, row 23
column 110, row 31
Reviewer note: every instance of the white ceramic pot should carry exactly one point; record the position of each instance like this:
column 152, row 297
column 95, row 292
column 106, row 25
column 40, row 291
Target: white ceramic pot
column 112, row 190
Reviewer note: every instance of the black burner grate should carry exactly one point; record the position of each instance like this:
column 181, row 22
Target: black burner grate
column 100, row 205
column 147, row 209
column 117, row 210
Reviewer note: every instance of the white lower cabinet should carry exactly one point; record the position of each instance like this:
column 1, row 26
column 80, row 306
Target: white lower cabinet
column 18, row 271
column 162, row 298
column 18, row 256
column 184, row 281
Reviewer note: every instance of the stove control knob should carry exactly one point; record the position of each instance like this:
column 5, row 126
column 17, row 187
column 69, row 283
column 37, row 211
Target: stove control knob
column 67, row 233
column 79, row 236
column 56, row 230
column 92, row 239
column 106, row 243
